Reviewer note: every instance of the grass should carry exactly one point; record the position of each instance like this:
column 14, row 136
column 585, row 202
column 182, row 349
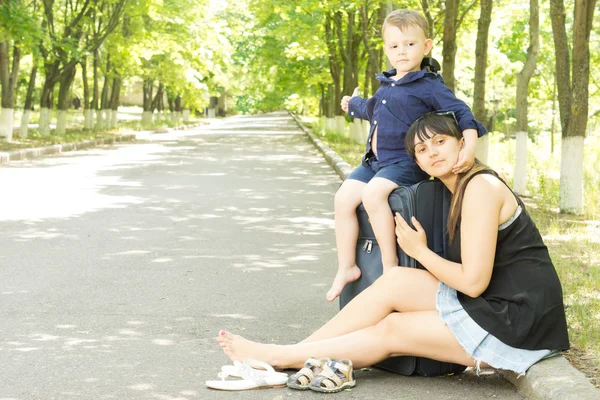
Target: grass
column 573, row 240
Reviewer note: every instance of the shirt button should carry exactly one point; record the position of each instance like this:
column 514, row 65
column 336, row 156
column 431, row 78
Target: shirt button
column 393, row 84
column 383, row 101
column 352, row 113
column 374, row 122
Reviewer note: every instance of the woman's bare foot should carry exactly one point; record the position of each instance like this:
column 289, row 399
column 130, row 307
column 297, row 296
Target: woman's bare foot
column 342, row 278
column 238, row 348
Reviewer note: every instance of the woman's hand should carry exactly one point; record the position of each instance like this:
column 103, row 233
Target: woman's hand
column 413, row 242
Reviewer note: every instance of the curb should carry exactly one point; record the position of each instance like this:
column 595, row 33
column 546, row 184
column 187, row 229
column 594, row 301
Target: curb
column 554, row 378
column 37, row 152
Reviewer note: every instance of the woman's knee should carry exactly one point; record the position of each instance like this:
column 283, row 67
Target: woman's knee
column 392, row 280
column 388, row 330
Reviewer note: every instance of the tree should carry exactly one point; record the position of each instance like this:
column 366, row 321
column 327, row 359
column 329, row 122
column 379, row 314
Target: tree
column 523, row 78
column 18, row 29
column 572, row 96
column 481, row 53
column 452, row 22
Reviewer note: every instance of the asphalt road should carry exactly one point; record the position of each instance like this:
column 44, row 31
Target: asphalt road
column 118, row 266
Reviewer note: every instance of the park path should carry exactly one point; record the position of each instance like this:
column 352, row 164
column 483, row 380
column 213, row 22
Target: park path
column 120, row 264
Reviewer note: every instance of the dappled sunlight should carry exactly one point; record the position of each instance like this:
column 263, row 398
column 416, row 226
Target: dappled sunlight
column 152, row 257
column 73, row 184
column 234, row 316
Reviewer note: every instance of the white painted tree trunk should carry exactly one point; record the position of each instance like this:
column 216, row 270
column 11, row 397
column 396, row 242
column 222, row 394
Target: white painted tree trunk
column 147, row 118
column 356, row 131
column 106, row 117
column 571, row 175
column 61, row 122
column 178, row 117
column 330, row 124
column 340, row 125
column 7, row 121
column 483, row 144
column 366, row 129
column 44, row 125
column 520, row 171
column 113, row 119
column 88, row 121
column 99, row 120
column 24, row 131
column 211, row 113
column 186, row 115
column 322, row 123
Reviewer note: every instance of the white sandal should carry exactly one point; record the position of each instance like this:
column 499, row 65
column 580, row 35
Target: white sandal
column 255, row 375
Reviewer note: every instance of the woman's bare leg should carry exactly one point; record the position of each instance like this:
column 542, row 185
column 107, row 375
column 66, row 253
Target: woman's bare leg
column 347, row 198
column 375, row 200
column 420, row 333
column 402, row 289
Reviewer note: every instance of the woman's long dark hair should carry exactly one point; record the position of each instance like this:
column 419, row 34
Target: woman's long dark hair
column 444, row 124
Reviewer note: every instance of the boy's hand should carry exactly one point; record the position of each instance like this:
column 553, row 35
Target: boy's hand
column 346, row 100
column 466, row 158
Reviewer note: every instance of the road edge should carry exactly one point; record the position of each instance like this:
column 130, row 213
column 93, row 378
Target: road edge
column 37, row 152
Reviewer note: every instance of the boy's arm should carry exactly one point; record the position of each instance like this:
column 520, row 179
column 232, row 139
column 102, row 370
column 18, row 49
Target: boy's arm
column 442, row 98
column 355, row 106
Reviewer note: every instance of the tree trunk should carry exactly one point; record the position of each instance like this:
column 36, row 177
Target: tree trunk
column 52, row 76
column 24, row 132
column 481, row 53
column 95, row 90
column 103, row 115
column 8, row 81
column 373, row 52
column 523, row 78
column 178, row 109
column 562, row 60
column 572, row 98
column 157, row 101
column 114, row 101
column 334, row 67
column 88, row 112
column 63, row 99
column 348, row 45
column 449, row 47
column 147, row 102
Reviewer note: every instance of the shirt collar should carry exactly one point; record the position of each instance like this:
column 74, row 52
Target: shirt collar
column 386, row 76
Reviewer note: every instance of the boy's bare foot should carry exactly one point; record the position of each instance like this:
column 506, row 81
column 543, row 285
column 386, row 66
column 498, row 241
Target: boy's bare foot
column 238, row 348
column 342, row 278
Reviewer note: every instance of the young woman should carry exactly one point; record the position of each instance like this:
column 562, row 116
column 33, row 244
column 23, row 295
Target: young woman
column 497, row 300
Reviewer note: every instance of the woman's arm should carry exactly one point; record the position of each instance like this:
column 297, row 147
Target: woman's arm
column 483, row 200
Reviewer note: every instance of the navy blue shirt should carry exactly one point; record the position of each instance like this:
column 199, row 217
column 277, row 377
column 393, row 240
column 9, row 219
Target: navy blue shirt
column 398, row 103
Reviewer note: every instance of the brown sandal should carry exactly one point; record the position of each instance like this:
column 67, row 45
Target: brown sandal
column 336, row 376
column 301, row 380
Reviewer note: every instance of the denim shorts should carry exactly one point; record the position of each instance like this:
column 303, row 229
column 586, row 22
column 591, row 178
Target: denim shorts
column 402, row 173
column 478, row 343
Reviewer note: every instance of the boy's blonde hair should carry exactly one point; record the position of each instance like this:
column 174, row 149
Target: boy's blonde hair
column 403, row 18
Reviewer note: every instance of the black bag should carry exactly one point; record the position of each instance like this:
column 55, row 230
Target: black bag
column 429, row 202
